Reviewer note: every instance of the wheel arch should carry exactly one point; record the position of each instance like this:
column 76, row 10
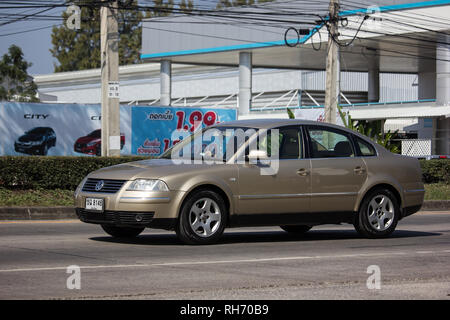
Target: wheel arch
column 382, row 185
column 211, row 187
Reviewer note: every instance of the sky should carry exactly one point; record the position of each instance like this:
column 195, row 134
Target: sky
column 35, row 45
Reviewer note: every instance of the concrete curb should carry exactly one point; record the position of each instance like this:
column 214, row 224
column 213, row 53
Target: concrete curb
column 436, row 205
column 55, row 213
column 37, row 213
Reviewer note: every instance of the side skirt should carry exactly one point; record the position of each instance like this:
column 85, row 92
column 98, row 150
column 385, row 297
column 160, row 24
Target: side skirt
column 306, row 218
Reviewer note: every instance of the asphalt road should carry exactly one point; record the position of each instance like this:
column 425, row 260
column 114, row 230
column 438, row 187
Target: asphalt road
column 330, row 262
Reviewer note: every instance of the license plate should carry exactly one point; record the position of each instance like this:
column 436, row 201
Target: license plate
column 94, row 204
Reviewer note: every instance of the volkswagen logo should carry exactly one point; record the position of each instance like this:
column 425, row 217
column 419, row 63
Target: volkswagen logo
column 99, row 185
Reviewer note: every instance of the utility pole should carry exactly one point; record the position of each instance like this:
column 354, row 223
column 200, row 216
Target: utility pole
column 332, row 89
column 109, row 39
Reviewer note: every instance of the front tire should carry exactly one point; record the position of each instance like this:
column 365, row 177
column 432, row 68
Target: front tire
column 299, row 229
column 378, row 214
column 202, row 219
column 122, row 232
column 44, row 149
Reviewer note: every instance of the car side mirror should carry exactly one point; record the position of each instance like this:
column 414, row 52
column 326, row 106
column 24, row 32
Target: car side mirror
column 256, row 155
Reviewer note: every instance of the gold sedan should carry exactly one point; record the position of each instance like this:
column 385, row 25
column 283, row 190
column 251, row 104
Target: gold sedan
column 290, row 173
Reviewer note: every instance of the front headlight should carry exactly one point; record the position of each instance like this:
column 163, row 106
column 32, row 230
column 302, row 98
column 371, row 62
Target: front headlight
column 148, row 185
column 92, row 143
column 77, row 190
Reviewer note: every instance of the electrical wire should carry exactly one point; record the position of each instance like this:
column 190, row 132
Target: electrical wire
column 253, row 17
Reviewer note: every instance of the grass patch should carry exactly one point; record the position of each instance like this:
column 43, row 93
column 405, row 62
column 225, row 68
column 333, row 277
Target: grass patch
column 45, row 198
column 437, row 191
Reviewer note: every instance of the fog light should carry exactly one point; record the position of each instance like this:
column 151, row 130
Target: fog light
column 139, row 218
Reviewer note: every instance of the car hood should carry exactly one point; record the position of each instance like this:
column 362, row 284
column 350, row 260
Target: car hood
column 85, row 139
column 30, row 137
column 152, row 168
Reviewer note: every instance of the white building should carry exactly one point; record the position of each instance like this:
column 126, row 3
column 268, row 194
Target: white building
column 401, row 75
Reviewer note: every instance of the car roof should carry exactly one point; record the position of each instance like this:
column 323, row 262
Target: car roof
column 41, row 128
column 271, row 123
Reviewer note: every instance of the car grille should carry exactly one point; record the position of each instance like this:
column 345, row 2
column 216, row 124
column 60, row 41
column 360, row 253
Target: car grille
column 116, row 217
column 20, row 143
column 110, row 186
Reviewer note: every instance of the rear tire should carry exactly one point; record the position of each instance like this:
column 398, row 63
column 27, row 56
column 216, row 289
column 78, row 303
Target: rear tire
column 299, row 229
column 122, row 232
column 203, row 217
column 378, row 214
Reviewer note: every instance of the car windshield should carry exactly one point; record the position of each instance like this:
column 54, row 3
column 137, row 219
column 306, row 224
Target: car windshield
column 216, row 143
column 38, row 130
column 95, row 134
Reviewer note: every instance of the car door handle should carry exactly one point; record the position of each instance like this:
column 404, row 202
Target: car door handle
column 302, row 172
column 359, row 170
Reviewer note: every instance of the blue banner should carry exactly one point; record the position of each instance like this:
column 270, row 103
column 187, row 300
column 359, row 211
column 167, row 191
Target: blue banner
column 154, row 127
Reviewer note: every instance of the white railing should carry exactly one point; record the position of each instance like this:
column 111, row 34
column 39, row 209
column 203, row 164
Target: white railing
column 416, row 147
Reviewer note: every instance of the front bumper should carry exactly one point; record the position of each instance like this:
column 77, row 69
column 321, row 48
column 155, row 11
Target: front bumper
column 125, row 219
column 86, row 150
column 28, row 149
column 156, row 209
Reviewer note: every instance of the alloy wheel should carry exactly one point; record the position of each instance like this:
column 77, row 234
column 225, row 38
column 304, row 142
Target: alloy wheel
column 205, row 217
column 380, row 212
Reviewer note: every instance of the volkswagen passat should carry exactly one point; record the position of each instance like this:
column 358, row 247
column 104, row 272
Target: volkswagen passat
column 290, row 173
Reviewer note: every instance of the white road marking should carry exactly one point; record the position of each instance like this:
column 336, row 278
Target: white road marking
column 187, row 263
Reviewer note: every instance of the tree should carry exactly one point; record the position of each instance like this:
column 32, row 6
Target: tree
column 80, row 49
column 15, row 83
column 371, row 129
column 291, row 114
column 186, row 6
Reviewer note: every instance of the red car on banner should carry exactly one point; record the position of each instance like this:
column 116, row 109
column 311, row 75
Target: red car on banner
column 92, row 143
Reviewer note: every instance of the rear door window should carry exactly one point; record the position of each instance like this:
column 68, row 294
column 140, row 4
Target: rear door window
column 329, row 143
column 366, row 149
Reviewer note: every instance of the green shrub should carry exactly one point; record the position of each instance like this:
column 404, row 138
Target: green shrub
column 51, row 172
column 435, row 171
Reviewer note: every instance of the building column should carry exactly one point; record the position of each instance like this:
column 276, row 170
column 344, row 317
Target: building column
column 443, row 93
column 427, row 85
column 373, row 91
column 245, row 82
column 443, row 72
column 166, row 82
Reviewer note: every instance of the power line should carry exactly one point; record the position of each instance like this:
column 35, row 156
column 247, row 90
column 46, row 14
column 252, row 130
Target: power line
column 241, row 17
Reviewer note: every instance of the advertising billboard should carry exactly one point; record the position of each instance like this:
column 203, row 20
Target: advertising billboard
column 155, row 129
column 53, row 129
column 316, row 114
column 75, row 130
